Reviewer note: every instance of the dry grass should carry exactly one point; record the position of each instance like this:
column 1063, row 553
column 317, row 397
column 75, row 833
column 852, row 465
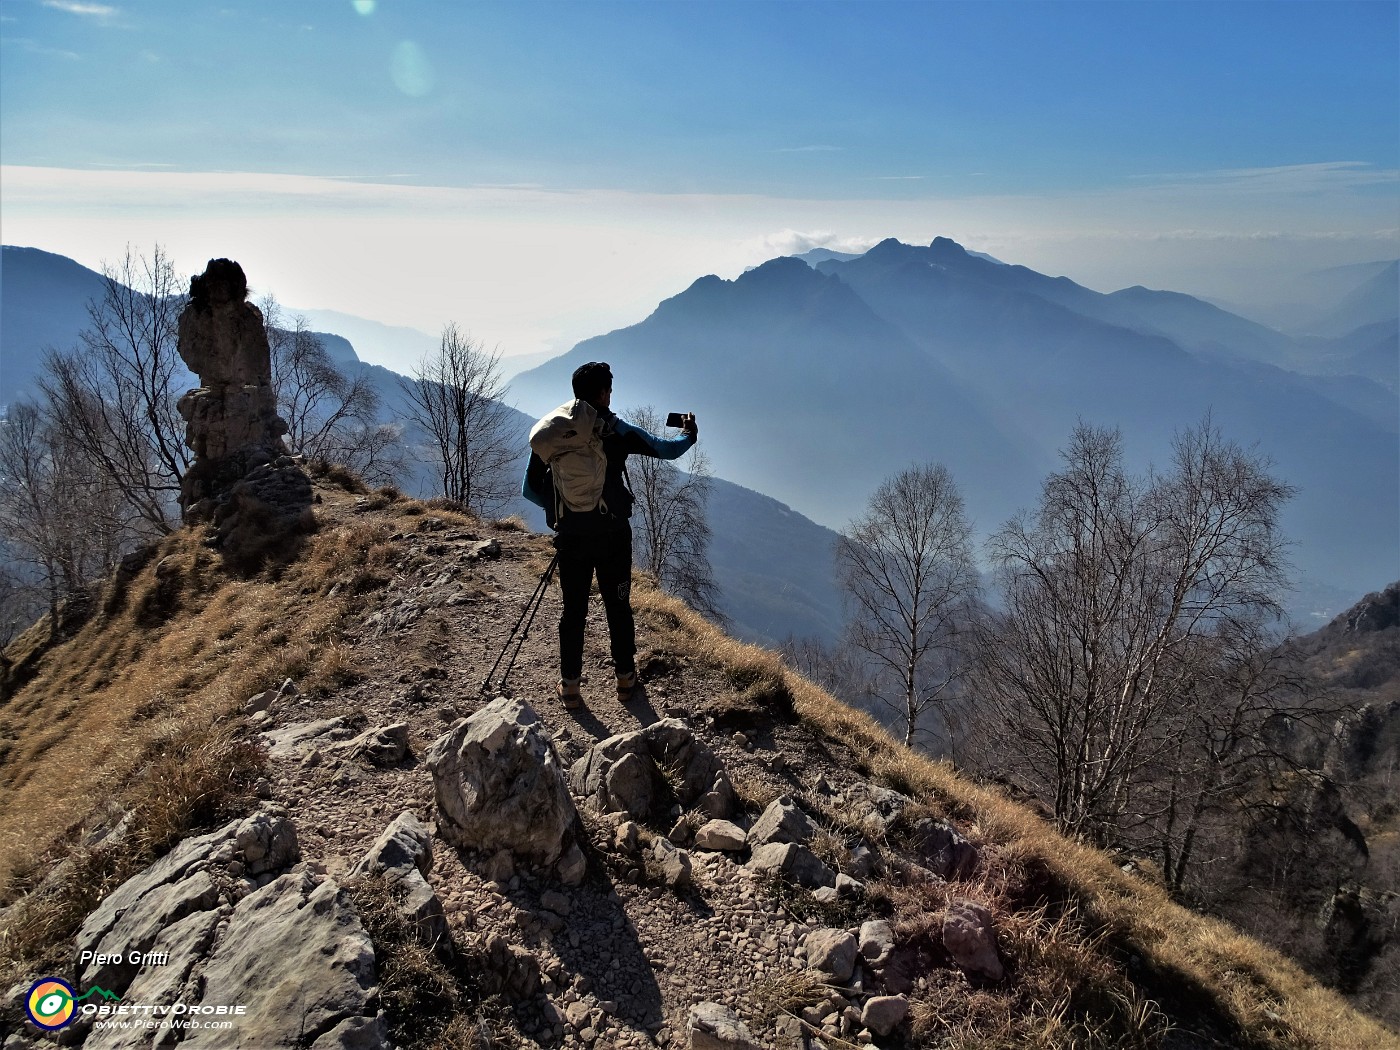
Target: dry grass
column 196, row 776
column 776, row 994
column 424, row 1001
column 1185, row 965
column 141, row 707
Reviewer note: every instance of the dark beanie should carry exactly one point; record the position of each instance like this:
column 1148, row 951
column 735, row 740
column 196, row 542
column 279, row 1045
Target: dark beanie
column 592, row 379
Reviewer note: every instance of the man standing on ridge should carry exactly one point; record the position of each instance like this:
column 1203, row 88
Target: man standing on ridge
column 577, row 474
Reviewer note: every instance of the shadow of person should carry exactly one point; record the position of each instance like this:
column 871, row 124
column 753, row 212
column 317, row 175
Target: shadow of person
column 639, row 704
column 589, row 722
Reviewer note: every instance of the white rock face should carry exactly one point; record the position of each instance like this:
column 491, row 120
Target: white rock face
column 499, row 784
column 323, row 977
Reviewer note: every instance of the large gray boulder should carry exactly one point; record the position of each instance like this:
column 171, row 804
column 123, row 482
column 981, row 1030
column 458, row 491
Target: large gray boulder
column 500, row 784
column 297, row 957
column 153, row 902
column 625, row 772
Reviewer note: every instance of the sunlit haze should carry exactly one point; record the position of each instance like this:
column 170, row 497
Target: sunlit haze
column 542, row 172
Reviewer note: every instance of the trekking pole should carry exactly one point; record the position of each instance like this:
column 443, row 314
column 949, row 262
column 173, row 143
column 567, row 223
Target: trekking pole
column 532, row 606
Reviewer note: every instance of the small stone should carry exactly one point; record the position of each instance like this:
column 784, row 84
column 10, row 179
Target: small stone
column 572, row 866
column 971, row 940
column 848, row 887
column 720, row 835
column 876, row 941
column 884, row 1013
column 714, row 1026
column 680, row 831
column 500, row 867
column 831, row 951
column 556, row 902
column 628, row 836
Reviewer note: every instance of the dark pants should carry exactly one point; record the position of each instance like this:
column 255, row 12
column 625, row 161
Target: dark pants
column 610, row 556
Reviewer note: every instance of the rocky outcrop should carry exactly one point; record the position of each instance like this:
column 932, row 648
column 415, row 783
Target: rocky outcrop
column 970, row 939
column 631, row 772
column 296, row 955
column 222, row 921
column 180, row 884
column 242, row 480
column 404, row 856
column 231, row 419
column 500, row 785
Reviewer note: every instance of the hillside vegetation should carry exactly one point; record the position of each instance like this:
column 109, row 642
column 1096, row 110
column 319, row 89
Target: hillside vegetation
column 129, row 731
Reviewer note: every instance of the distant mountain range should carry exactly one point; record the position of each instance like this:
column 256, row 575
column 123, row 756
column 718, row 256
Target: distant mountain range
column 774, row 566
column 813, row 382
column 816, row 376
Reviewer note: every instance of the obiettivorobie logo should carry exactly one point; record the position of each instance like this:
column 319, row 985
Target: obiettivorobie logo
column 52, row 1004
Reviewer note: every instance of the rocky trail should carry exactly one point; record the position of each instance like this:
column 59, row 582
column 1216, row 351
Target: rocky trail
column 687, row 868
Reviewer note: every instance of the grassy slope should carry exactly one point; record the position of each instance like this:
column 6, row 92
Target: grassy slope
column 141, row 710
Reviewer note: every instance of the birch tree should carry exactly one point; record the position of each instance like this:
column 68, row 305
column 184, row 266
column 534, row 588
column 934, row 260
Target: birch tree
column 909, row 578
column 1117, row 593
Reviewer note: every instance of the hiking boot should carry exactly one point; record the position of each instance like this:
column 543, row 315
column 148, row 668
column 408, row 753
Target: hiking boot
column 571, row 694
column 626, row 686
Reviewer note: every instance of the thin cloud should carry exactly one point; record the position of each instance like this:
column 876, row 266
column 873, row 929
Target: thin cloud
column 33, row 47
column 1282, row 177
column 900, row 178
column 811, row 149
column 76, row 7
column 795, row 242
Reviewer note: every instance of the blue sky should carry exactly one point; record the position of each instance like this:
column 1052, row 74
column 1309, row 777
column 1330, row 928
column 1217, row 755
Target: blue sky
column 490, row 153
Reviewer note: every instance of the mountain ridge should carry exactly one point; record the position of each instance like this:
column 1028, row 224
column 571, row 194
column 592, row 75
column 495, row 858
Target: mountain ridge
column 284, row 766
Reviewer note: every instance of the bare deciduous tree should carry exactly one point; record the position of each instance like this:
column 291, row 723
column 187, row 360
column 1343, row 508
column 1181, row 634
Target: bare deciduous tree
column 835, row 668
column 116, row 397
column 1118, row 593
column 909, row 577
column 455, row 397
column 671, row 535
column 61, row 519
column 330, row 415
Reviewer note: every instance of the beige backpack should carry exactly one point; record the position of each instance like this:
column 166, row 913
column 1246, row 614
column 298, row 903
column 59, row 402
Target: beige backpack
column 567, row 439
